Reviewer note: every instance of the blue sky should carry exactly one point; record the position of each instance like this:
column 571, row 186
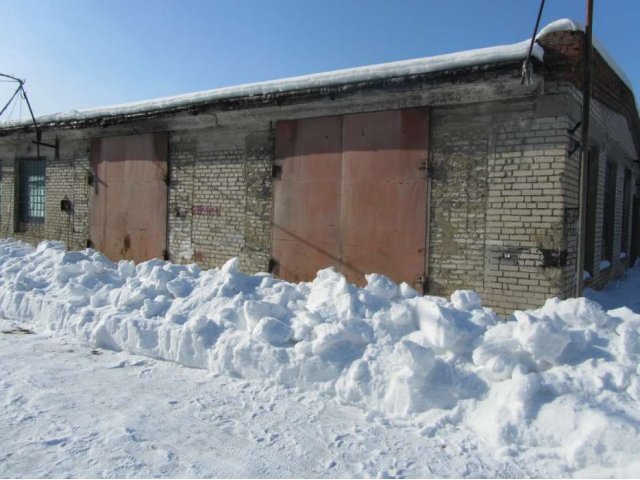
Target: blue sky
column 86, row 53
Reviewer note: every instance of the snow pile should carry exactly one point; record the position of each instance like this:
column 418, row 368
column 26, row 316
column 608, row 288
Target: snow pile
column 564, row 377
column 560, row 383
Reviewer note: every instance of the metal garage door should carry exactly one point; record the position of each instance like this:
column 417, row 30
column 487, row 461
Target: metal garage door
column 306, row 233
column 352, row 193
column 128, row 205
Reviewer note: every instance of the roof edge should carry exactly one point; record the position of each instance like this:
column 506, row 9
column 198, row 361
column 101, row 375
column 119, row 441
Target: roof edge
column 384, row 71
column 569, row 25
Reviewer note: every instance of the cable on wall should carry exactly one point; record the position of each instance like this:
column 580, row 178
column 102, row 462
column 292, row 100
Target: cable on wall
column 526, row 72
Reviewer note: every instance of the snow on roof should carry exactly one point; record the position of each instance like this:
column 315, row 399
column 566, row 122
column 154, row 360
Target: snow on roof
column 451, row 61
column 566, row 24
column 481, row 56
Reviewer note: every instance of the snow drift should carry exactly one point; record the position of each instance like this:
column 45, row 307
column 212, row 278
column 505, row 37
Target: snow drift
column 562, row 380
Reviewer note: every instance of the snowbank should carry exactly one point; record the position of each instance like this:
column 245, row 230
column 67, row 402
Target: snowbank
column 561, row 381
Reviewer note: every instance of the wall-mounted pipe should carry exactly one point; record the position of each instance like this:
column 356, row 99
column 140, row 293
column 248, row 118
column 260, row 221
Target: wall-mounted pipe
column 584, row 158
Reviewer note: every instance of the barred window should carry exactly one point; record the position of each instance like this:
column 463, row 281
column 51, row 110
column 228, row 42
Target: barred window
column 31, row 191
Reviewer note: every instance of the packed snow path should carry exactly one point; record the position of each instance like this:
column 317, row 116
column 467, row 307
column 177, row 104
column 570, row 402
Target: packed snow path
column 556, row 389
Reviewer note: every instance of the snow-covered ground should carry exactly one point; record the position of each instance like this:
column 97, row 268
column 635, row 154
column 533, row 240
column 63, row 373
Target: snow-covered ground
column 624, row 292
column 70, row 411
column 312, row 379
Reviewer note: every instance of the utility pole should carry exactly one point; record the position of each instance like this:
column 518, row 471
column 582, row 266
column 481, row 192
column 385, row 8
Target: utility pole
column 584, row 157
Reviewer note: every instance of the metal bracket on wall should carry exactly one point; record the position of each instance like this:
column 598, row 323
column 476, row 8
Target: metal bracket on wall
column 55, row 146
column 573, row 129
column 90, row 175
column 553, row 258
column 574, row 146
column 429, row 170
column 505, row 255
column 422, row 282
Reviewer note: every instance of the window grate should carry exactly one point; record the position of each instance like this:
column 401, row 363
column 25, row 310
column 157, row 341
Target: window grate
column 31, row 191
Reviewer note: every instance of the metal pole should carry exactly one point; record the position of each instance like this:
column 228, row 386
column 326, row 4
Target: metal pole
column 26, row 98
column 584, row 158
column 11, row 99
column 12, row 78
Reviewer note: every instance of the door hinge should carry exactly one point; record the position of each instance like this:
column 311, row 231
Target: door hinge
column 273, row 266
column 422, row 283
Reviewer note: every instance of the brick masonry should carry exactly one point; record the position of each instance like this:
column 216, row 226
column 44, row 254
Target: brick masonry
column 504, row 182
column 65, row 176
column 615, row 130
column 610, row 133
column 220, row 202
column 496, row 198
column 499, row 213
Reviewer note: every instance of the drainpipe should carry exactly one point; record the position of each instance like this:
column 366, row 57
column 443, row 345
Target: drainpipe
column 584, row 158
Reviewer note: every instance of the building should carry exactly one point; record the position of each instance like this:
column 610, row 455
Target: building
column 447, row 172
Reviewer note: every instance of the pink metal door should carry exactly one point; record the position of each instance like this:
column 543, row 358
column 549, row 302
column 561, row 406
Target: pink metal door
column 128, row 205
column 306, row 215
column 384, row 194
column 352, row 194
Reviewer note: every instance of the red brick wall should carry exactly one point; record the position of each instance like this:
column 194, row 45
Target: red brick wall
column 564, row 61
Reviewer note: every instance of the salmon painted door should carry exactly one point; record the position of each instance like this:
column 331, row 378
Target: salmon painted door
column 128, row 204
column 365, row 209
column 384, row 200
column 306, row 216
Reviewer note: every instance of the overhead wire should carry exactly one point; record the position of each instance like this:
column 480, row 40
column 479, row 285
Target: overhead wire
column 13, row 107
column 526, row 73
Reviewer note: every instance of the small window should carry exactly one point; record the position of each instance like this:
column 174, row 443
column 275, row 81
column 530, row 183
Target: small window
column 31, row 191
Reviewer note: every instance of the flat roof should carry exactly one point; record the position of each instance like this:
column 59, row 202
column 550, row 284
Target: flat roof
column 481, row 56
